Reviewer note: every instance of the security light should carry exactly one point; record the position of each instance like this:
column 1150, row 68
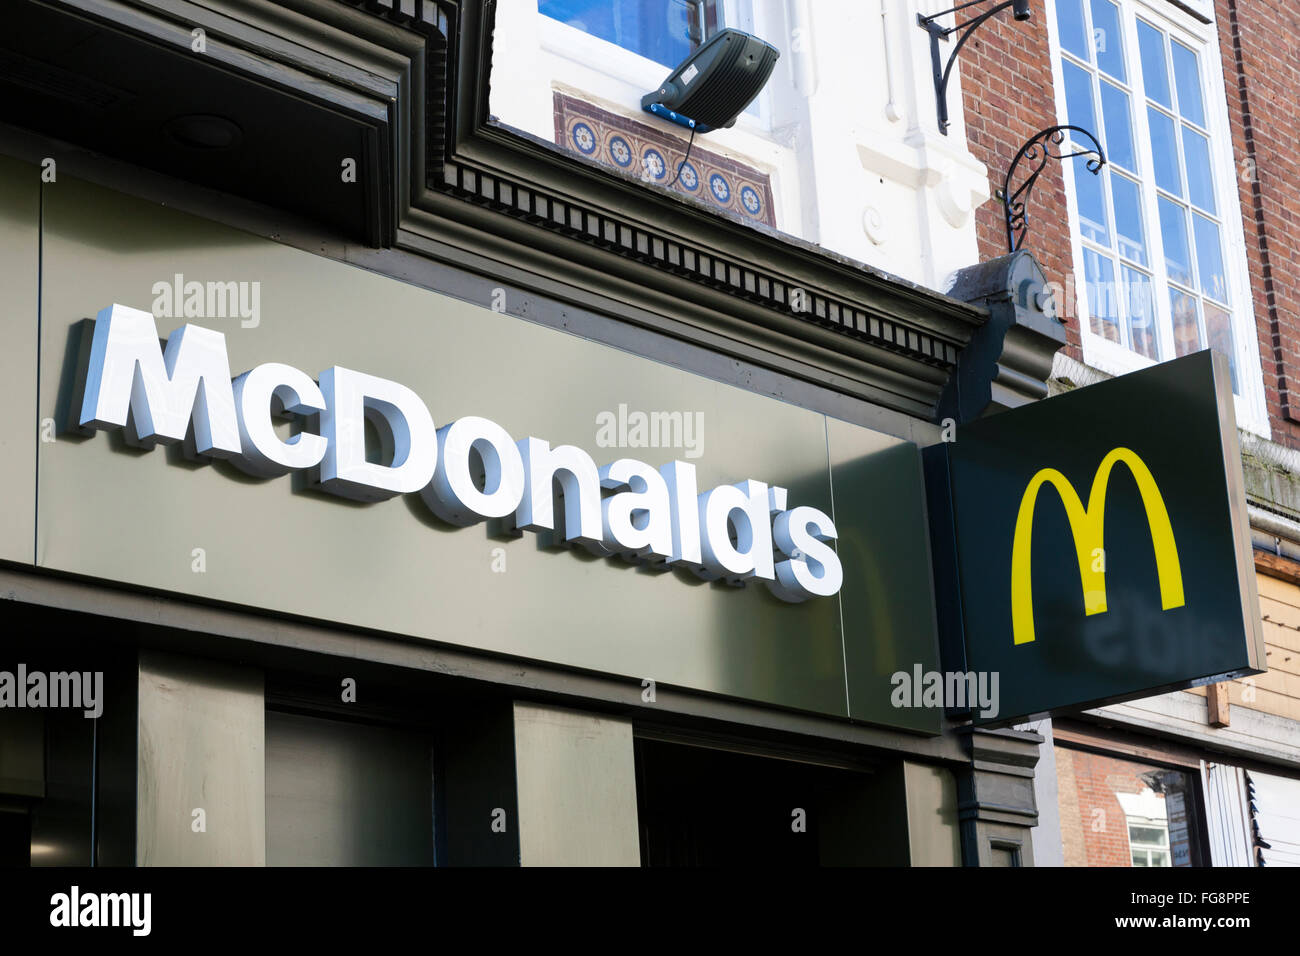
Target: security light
column 713, row 85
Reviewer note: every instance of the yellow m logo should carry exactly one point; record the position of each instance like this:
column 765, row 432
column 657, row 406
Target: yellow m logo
column 1088, row 526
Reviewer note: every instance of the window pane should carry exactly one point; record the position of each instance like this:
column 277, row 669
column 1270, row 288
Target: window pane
column 1209, row 258
column 1187, row 334
column 1106, row 38
column 1128, row 219
column 1099, row 273
column 1187, row 80
column 1094, row 223
column 1119, row 126
column 1164, row 149
column 1147, row 835
column 1196, row 157
column 657, row 29
column 1173, row 230
column 1155, row 72
column 1069, row 23
column 1218, row 332
column 1139, row 298
column 1139, row 858
column 1078, row 97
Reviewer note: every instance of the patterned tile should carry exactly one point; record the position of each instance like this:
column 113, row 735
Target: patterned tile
column 656, row 155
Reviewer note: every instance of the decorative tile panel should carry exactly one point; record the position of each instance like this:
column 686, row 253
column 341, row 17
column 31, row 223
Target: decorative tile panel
column 656, row 155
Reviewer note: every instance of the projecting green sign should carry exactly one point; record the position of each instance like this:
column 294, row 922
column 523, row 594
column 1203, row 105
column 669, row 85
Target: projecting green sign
column 1103, row 547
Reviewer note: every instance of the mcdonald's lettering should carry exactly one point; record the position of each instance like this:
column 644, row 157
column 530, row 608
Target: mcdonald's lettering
column 1088, row 526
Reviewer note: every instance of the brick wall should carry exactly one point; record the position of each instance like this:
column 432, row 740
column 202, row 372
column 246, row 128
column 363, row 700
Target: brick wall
column 1094, row 830
column 1007, row 86
column 1261, row 64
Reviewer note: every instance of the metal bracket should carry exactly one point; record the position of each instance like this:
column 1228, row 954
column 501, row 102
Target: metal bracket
column 942, row 73
column 1038, row 150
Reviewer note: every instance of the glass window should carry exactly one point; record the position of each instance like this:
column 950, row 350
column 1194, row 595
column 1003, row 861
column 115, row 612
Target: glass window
column 1069, row 21
column 1164, row 150
column 1187, row 79
column 1107, row 39
column 1140, row 305
column 1148, row 841
column 1119, row 811
column 1128, row 219
column 1200, row 183
column 1102, row 306
column 665, row 31
column 1173, row 230
column 1119, row 126
column 1155, row 74
column 1153, row 219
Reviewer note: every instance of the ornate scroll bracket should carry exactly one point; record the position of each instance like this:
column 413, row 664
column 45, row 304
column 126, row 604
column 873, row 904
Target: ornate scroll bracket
column 1038, row 150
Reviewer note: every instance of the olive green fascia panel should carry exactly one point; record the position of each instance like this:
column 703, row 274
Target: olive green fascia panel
column 201, row 746
column 20, row 250
column 158, row 520
column 888, row 593
column 934, row 835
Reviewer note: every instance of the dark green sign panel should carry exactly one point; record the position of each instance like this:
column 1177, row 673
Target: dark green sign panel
column 1102, row 542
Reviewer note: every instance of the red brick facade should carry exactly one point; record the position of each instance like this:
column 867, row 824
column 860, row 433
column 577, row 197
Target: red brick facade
column 1007, row 86
column 1261, row 64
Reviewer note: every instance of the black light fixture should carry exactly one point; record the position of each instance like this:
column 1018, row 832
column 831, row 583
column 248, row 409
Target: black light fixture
column 1020, row 11
column 713, row 85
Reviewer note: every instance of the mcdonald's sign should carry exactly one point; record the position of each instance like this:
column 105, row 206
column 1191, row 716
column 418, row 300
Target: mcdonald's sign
column 1102, row 549
column 1088, row 529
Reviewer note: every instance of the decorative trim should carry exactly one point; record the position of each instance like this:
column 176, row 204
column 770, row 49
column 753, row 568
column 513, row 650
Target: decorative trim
column 579, row 214
column 590, row 131
column 1038, row 150
column 656, row 248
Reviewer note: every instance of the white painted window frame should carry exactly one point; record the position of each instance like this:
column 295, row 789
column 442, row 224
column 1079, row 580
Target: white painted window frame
column 1099, row 352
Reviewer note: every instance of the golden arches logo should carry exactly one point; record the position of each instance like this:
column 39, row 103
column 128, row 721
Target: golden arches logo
column 1088, row 527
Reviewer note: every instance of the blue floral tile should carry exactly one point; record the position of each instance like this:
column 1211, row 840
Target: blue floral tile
column 652, row 161
column 584, row 138
column 656, row 156
column 720, row 188
column 620, row 151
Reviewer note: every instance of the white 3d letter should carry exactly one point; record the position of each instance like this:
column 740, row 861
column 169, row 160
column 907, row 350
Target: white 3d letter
column 453, row 494
column 813, row 569
column 351, row 398
column 684, row 498
column 751, row 555
column 576, row 472
column 638, row 519
column 265, row 454
column 129, row 370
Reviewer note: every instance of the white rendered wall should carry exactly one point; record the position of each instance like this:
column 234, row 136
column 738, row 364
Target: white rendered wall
column 847, row 126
